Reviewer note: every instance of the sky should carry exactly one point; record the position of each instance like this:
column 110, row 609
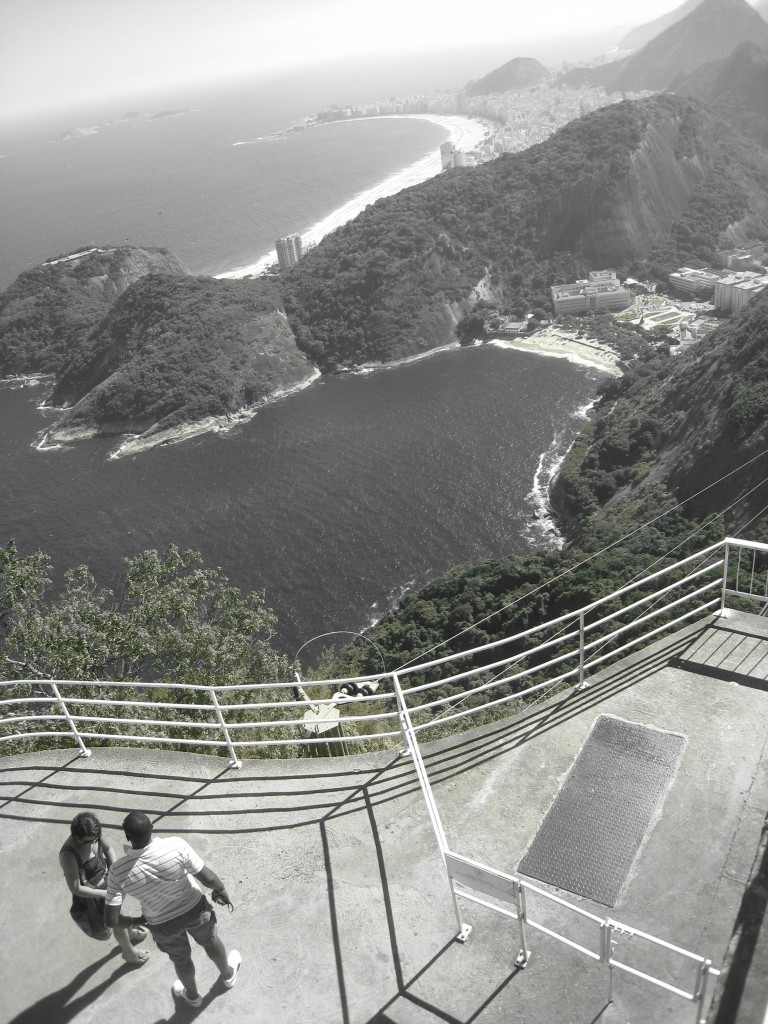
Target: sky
column 59, row 53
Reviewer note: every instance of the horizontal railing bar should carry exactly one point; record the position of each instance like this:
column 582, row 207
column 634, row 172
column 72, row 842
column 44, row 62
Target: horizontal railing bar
column 154, row 740
column 652, row 597
column 651, row 615
column 748, row 595
column 646, row 636
column 562, row 938
column 442, row 719
column 753, row 545
column 655, row 981
column 535, row 669
column 410, row 669
column 492, row 666
column 668, row 945
column 484, row 903
column 563, row 903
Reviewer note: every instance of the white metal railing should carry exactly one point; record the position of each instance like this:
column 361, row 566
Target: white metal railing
column 563, row 650
column 488, row 679
column 474, row 877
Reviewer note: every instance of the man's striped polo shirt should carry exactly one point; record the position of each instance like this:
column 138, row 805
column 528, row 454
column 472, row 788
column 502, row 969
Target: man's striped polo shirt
column 159, row 876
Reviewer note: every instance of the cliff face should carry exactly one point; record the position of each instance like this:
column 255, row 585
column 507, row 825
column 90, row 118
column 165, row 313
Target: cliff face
column 176, row 351
column 49, row 309
column 616, row 224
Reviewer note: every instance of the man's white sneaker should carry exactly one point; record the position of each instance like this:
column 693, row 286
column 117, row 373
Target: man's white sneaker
column 235, row 962
column 179, row 992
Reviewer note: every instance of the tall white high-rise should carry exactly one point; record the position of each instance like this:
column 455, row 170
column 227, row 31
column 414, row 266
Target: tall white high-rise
column 289, row 250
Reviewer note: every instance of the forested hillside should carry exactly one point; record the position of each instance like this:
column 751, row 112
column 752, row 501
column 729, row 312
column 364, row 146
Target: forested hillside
column 686, row 425
column 656, row 180
column 47, row 310
column 175, row 350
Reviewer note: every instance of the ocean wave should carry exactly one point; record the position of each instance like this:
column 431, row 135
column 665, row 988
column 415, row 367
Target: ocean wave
column 542, row 529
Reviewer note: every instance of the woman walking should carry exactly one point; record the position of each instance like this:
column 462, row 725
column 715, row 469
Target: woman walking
column 85, row 859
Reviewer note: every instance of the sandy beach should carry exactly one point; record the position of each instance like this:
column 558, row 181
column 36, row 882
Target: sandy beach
column 466, row 134
column 560, row 344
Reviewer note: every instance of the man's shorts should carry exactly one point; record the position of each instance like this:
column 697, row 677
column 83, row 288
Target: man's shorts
column 172, row 937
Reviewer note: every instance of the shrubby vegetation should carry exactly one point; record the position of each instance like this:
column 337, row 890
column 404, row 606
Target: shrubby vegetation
column 178, row 349
column 698, row 417
column 48, row 310
column 170, row 621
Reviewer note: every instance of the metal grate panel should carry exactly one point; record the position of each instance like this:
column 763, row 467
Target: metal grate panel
column 593, row 831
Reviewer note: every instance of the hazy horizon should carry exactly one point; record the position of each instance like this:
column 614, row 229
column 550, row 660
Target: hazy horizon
column 86, row 55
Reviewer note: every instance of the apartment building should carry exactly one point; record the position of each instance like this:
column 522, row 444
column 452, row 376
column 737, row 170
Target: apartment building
column 735, row 291
column 600, row 291
column 686, row 279
column 289, row 250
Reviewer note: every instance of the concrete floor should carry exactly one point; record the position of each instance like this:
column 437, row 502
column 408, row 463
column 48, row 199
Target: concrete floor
column 342, row 908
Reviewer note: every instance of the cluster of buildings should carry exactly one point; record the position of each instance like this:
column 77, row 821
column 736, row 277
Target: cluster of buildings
column 600, row 291
column 523, row 117
column 289, row 250
column 744, row 275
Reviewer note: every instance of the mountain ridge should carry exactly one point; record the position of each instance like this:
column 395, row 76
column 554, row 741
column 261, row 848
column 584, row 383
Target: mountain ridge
column 711, row 31
column 518, row 73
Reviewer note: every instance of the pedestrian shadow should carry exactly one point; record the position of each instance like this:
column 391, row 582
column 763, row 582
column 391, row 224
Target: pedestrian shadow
column 63, row 1006
column 183, row 1012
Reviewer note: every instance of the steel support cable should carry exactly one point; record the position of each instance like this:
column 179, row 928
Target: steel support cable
column 689, row 537
column 452, row 707
column 595, row 554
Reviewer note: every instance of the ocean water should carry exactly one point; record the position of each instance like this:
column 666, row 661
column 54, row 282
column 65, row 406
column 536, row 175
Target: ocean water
column 333, row 501
column 183, row 183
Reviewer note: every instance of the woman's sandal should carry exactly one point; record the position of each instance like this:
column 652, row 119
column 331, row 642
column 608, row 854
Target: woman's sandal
column 137, row 934
column 142, row 955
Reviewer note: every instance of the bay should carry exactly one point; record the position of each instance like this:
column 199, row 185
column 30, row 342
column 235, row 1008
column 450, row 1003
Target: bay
column 333, row 501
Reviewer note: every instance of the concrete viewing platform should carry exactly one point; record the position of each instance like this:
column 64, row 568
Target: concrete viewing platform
column 343, row 913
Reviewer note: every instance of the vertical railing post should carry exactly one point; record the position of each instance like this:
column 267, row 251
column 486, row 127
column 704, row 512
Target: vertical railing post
column 234, row 760
column 726, row 564
column 700, row 991
column 606, row 952
column 582, row 684
column 412, row 747
column 84, row 751
column 519, row 894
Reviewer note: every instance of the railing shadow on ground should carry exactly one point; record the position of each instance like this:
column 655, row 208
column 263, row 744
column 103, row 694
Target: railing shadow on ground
column 449, row 758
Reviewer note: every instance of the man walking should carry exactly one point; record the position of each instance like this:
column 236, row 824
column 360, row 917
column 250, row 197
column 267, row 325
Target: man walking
column 162, row 874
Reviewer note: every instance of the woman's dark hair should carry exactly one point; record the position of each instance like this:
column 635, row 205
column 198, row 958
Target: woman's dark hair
column 85, row 824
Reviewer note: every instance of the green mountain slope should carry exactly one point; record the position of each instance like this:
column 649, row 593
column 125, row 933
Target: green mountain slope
column 47, row 310
column 709, row 32
column 683, row 425
column 661, row 175
column 173, row 351
column 735, row 88
column 518, row 73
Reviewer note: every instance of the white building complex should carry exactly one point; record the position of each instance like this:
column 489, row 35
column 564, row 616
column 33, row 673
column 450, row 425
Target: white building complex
column 289, row 250
column 602, row 291
column 733, row 292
